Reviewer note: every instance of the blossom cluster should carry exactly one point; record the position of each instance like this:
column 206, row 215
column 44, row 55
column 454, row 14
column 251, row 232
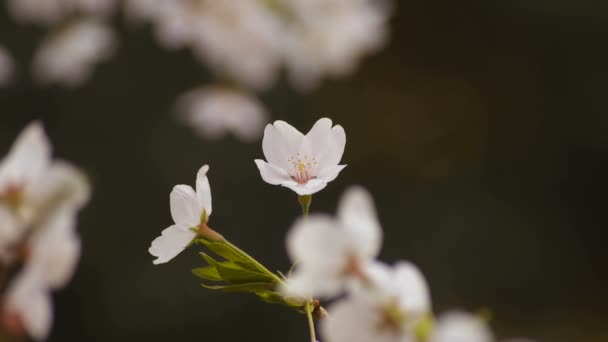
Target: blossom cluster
column 39, row 201
column 246, row 43
column 334, row 258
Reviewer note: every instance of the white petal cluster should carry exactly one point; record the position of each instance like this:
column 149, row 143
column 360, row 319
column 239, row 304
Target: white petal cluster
column 48, row 12
column 249, row 41
column 69, row 55
column 7, row 66
column 303, row 163
column 189, row 209
column 338, row 255
column 216, row 111
column 331, row 37
column 39, row 201
column 457, row 326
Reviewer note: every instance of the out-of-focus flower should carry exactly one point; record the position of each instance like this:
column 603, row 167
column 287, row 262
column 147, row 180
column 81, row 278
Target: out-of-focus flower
column 328, row 251
column 215, row 111
column 398, row 304
column 69, row 55
column 238, row 39
column 32, row 187
column 331, row 37
column 39, row 201
column 54, row 250
column 6, row 66
column 189, row 209
column 303, row 163
column 49, row 12
column 457, row 326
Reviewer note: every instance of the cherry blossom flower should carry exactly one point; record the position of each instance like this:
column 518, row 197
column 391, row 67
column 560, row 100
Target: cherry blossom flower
column 7, row 66
column 189, row 209
column 303, row 163
column 397, row 303
column 457, row 326
column 33, row 186
column 54, row 250
column 328, row 252
column 215, row 111
column 329, row 37
column 220, row 33
column 68, row 56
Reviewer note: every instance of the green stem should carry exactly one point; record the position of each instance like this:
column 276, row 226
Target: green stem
column 311, row 323
column 252, row 260
column 305, row 203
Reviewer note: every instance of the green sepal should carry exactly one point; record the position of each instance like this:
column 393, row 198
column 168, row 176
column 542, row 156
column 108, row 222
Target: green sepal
column 424, row 328
column 233, row 272
column 247, row 287
column 208, row 273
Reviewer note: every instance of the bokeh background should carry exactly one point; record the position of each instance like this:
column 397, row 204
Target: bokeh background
column 481, row 130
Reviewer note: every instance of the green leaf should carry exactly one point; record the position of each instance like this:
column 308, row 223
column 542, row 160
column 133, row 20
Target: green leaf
column 247, row 287
column 208, row 273
column 233, row 272
column 232, row 253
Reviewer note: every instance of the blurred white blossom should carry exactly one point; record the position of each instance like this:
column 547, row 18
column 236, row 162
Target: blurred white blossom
column 303, row 163
column 68, row 56
column 238, row 39
column 328, row 252
column 216, row 111
column 49, row 12
column 390, row 313
column 329, row 37
column 189, row 209
column 248, row 41
column 457, row 326
column 39, row 201
column 7, row 66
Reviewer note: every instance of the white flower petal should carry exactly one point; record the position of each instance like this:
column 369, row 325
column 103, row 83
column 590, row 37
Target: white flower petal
column 28, row 159
column 330, row 173
column 355, row 320
column 316, row 242
column 357, row 215
column 203, row 190
column 172, row 241
column 281, row 141
column 318, row 282
column 185, row 207
column 326, row 143
column 63, row 182
column 27, row 298
column 272, row 174
column 412, row 289
column 55, row 248
column 459, row 326
column 309, row 188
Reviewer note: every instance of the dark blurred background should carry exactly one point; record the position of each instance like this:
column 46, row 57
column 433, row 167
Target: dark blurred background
column 481, row 130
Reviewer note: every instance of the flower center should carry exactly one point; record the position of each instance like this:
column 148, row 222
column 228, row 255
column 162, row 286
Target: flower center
column 303, row 166
column 12, row 196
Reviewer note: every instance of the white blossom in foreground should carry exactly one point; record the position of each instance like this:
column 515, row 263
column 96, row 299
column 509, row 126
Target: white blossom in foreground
column 216, row 111
column 329, row 37
column 68, row 56
column 54, row 252
column 459, row 326
column 303, row 163
column 49, row 12
column 398, row 301
column 7, row 66
column 330, row 251
column 32, row 186
column 189, row 209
